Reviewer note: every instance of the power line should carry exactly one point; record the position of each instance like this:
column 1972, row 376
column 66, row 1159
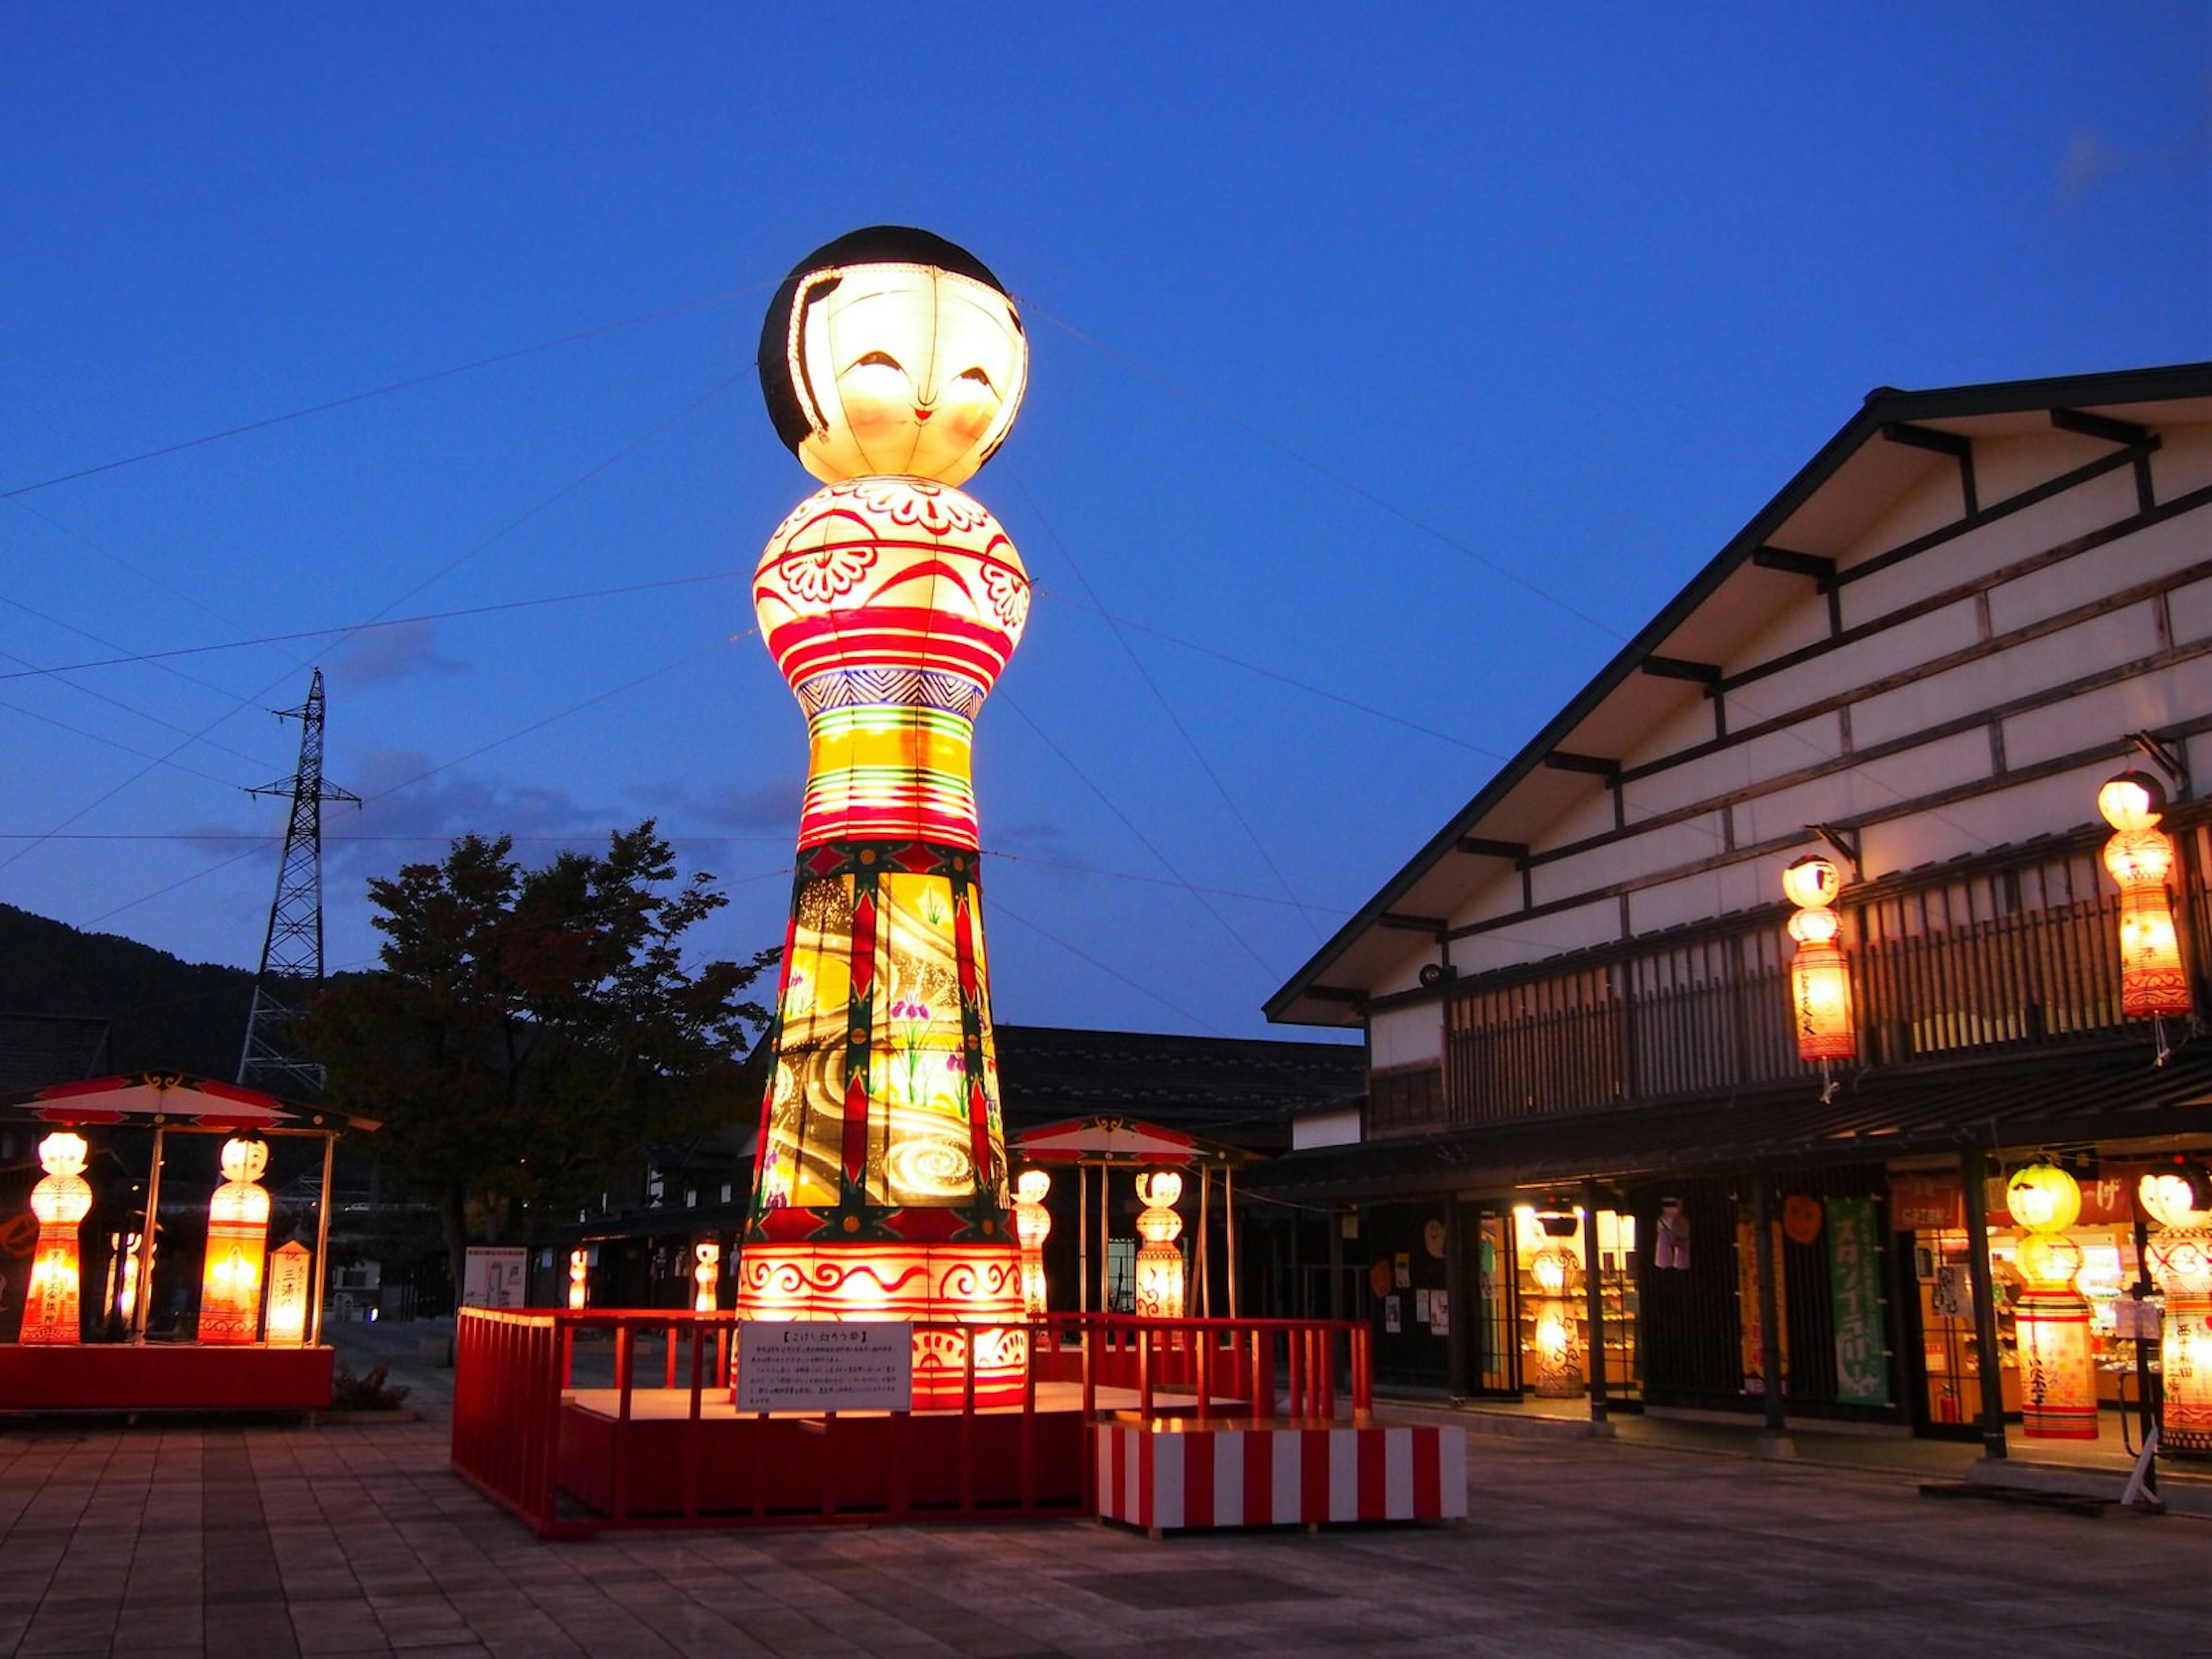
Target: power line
column 386, row 390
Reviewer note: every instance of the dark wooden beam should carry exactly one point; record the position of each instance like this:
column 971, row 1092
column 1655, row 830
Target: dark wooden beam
column 1678, row 668
column 1412, row 924
column 1959, row 449
column 1565, row 760
column 1482, row 847
column 1795, row 564
column 2125, row 433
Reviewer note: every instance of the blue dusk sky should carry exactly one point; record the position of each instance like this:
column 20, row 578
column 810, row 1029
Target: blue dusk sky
column 1390, row 366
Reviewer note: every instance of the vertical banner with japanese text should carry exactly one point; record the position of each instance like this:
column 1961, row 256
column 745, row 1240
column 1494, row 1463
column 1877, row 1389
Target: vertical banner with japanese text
column 1855, row 1289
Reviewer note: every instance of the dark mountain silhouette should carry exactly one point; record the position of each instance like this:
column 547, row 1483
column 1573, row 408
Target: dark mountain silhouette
column 163, row 1011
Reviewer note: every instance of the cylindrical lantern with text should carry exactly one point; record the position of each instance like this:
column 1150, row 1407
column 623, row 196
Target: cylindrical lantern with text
column 1557, row 1273
column 580, row 1273
column 1160, row 1259
column 1820, row 977
column 2058, row 1371
column 237, row 1244
column 1032, row 1226
column 707, row 1276
column 2180, row 1258
column 2140, row 858
column 60, row 1201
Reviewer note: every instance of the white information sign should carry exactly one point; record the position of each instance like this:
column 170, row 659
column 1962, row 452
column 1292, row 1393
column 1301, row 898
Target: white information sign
column 494, row 1277
column 825, row 1367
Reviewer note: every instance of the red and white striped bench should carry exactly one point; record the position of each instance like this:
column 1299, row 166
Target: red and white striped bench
column 1174, row 1476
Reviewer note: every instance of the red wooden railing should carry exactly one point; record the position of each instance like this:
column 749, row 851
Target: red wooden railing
column 573, row 1473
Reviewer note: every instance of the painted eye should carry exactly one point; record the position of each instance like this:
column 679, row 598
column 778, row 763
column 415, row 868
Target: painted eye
column 879, row 359
column 978, row 376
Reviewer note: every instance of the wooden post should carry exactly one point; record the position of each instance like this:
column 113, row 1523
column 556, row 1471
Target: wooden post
column 1973, row 1174
column 1770, row 1313
column 1228, row 1230
column 1594, row 1301
column 148, row 1240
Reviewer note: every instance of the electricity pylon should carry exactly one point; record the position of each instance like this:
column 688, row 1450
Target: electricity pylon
column 292, row 950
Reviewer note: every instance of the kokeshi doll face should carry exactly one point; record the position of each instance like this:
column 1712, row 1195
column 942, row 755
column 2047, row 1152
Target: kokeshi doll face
column 891, row 366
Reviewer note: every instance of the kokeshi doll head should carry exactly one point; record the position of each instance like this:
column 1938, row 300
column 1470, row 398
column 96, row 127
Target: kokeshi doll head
column 892, row 352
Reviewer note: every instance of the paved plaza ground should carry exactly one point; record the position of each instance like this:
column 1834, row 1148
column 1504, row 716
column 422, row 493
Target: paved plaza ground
column 267, row 1541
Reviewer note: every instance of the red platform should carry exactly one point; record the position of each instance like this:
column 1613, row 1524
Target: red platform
column 117, row 1377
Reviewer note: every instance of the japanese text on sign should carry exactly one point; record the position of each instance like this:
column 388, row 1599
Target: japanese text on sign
column 820, row 1367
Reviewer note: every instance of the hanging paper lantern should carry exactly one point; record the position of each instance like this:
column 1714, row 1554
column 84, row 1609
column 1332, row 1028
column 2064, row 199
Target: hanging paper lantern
column 2140, row 857
column 60, row 1202
column 237, row 1241
column 707, row 1276
column 1160, row 1259
column 1820, row 977
column 1032, row 1226
column 580, row 1273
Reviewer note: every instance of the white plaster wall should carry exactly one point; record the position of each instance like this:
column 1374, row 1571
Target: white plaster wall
column 1999, row 542
column 1868, row 786
column 1494, row 895
column 1803, row 622
column 2183, row 461
column 1928, row 504
column 1682, row 728
column 1907, row 644
column 1631, row 858
column 2172, row 545
column 2005, row 466
column 2191, row 609
column 2181, row 692
column 2103, row 641
column 2044, row 807
column 1590, row 815
column 1740, row 765
column 1702, row 897
column 1538, row 938
column 1405, row 1036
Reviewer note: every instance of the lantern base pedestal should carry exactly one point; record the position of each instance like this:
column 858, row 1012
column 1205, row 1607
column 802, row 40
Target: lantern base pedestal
column 161, row 1376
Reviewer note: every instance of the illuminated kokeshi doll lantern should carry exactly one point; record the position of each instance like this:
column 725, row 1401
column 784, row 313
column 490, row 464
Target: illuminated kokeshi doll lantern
column 2180, row 1258
column 893, row 363
column 706, row 1276
column 2140, row 857
column 1557, row 1272
column 60, row 1203
column 1819, row 978
column 1032, row 1226
column 237, row 1245
column 1159, row 1258
column 579, row 1277
column 2057, row 1374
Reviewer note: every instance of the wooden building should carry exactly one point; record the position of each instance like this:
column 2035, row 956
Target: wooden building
column 1921, row 659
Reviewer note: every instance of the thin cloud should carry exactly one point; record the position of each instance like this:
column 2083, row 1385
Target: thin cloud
column 380, row 656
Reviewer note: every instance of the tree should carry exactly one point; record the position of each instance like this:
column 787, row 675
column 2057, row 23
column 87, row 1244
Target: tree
column 530, row 1032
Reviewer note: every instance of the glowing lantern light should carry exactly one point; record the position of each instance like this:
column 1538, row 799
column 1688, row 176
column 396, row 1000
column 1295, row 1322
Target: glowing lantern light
column 1160, row 1259
column 126, row 1289
column 892, row 363
column 288, row 1279
column 1819, row 978
column 580, row 1273
column 2140, row 856
column 1558, row 1342
column 707, row 1276
column 2181, row 1259
column 1032, row 1226
column 60, row 1202
column 2057, row 1375
column 237, row 1241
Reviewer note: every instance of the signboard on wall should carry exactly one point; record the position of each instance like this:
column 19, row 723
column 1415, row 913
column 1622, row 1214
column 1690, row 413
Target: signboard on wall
column 495, row 1278
column 825, row 1367
column 1855, row 1290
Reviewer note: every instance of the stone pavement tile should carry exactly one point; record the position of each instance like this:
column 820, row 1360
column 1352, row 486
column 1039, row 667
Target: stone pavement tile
column 78, row 1630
